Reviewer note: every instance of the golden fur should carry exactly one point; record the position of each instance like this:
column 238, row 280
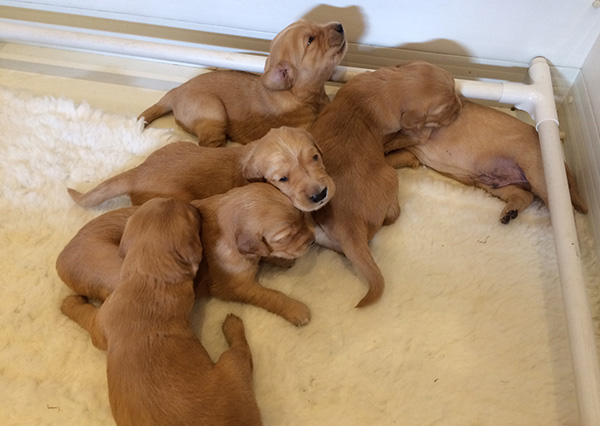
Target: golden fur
column 350, row 131
column 158, row 372
column 286, row 157
column 239, row 228
column 486, row 148
column 243, row 106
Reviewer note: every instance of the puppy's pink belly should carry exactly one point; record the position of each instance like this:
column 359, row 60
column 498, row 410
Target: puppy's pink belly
column 495, row 172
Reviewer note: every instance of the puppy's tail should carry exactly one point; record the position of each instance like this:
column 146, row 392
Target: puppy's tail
column 576, row 198
column 358, row 252
column 155, row 111
column 114, row 187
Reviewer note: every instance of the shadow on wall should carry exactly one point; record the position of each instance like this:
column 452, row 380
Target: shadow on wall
column 448, row 54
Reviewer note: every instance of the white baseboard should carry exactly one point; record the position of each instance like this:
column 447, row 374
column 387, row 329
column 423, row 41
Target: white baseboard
column 358, row 55
column 582, row 147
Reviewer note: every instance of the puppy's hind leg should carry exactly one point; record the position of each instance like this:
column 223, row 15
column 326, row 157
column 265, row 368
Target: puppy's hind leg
column 576, row 198
column 156, row 111
column 239, row 350
column 208, row 122
column 516, row 198
column 83, row 313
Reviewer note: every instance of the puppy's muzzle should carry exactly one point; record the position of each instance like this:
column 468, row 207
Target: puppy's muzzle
column 317, row 198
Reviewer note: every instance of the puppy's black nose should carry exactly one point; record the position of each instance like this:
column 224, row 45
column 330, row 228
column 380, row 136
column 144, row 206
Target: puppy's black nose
column 339, row 28
column 319, row 197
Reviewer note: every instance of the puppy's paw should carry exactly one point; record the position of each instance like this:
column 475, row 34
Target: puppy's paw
column 297, row 313
column 507, row 216
column 72, row 302
column 233, row 328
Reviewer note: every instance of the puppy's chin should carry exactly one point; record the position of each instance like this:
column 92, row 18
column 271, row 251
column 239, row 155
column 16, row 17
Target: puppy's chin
column 306, row 205
column 291, row 254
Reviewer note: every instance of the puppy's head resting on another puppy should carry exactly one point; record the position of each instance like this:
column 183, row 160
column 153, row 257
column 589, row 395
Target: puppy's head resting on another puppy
column 303, row 55
column 162, row 239
column 260, row 221
column 289, row 159
column 419, row 97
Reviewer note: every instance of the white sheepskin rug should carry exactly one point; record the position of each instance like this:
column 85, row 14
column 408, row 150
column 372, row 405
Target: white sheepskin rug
column 470, row 329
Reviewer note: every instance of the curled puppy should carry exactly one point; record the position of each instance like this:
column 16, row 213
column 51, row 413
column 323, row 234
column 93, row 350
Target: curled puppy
column 90, row 263
column 243, row 106
column 488, row 149
column 240, row 228
column 286, row 157
column 418, row 97
column 158, row 372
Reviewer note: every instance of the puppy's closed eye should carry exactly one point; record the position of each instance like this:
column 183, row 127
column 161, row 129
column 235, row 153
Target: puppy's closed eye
column 310, row 40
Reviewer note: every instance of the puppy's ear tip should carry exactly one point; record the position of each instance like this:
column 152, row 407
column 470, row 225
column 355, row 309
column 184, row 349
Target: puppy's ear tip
column 280, row 76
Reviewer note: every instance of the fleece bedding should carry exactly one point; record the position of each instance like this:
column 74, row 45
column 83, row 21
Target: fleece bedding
column 470, row 329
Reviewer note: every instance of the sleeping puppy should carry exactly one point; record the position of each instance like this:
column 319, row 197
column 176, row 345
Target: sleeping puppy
column 286, row 157
column 158, row 371
column 488, row 149
column 418, row 97
column 239, row 228
column 242, row 106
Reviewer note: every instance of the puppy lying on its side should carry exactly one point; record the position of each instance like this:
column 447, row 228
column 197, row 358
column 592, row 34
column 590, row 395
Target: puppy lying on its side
column 239, row 228
column 158, row 372
column 243, row 106
column 488, row 149
column 286, row 157
column 350, row 132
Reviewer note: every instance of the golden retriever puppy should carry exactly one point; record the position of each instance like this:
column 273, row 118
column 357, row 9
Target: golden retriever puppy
column 286, row 157
column 243, row 106
column 488, row 149
column 239, row 228
column 90, row 264
column 350, row 131
column 158, row 371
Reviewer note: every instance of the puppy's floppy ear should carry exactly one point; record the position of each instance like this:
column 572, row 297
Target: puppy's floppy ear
column 250, row 244
column 412, row 120
column 252, row 165
column 280, row 76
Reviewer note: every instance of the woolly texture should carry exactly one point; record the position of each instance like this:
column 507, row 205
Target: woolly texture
column 470, row 329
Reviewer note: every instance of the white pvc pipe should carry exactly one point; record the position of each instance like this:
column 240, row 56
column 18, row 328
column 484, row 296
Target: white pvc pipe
column 536, row 98
column 582, row 340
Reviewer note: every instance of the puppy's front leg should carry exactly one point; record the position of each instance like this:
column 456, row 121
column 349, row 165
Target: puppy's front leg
column 402, row 158
column 249, row 291
column 84, row 313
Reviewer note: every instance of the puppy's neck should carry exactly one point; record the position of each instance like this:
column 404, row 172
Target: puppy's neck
column 154, row 300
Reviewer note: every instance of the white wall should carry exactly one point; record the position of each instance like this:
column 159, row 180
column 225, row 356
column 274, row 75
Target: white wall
column 591, row 77
column 509, row 30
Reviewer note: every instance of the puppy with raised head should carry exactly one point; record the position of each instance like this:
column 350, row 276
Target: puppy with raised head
column 242, row 106
column 286, row 157
column 350, row 131
column 239, row 229
column 158, row 371
column 486, row 148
